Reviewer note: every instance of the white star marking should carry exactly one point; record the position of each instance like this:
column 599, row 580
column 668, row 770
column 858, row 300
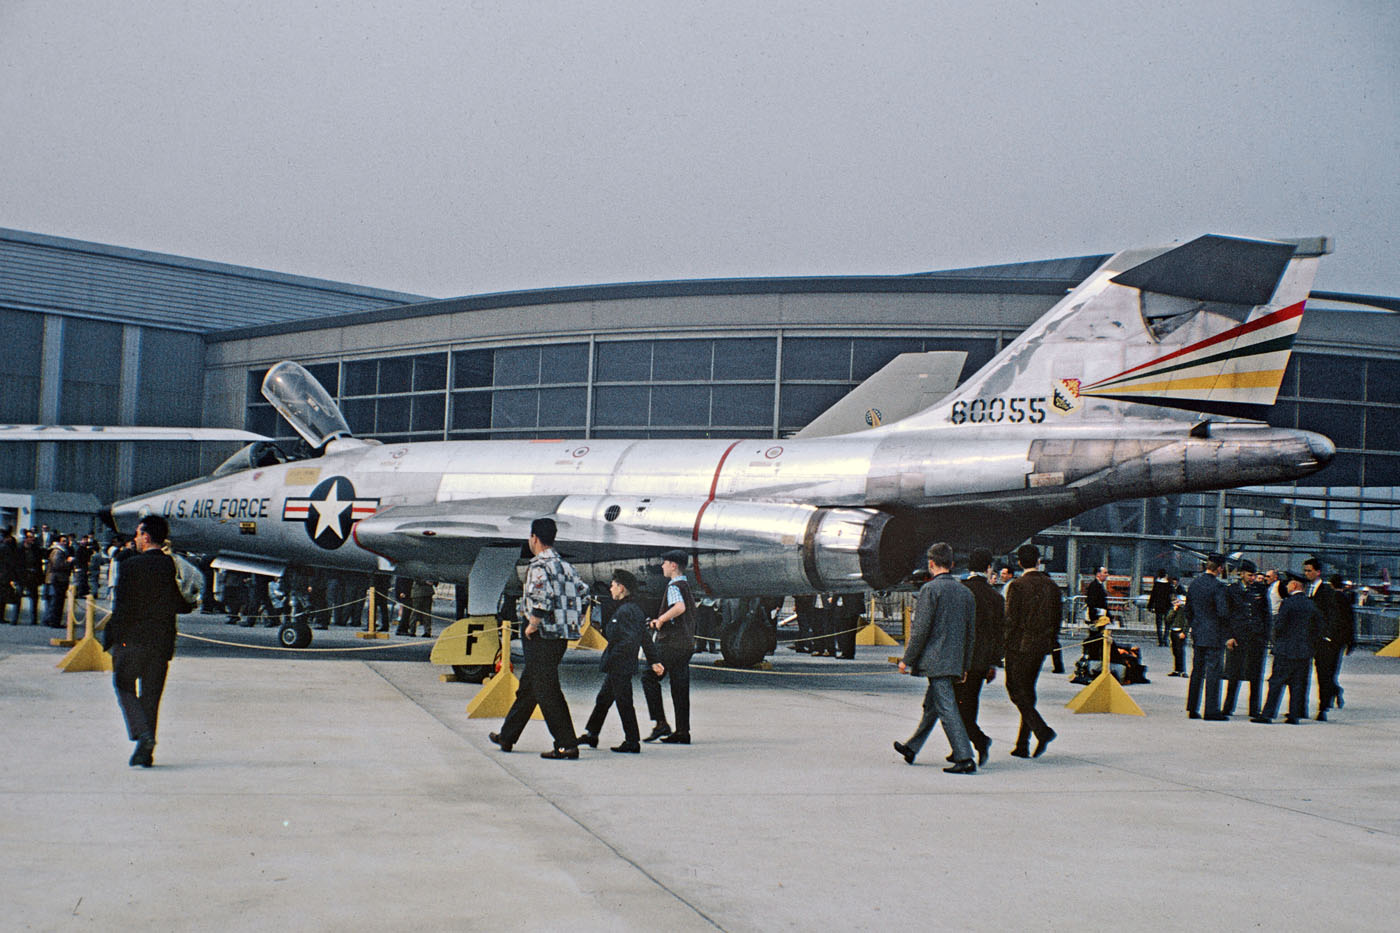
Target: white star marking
column 329, row 511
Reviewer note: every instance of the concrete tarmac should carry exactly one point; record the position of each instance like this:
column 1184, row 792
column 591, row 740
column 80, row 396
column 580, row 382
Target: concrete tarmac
column 351, row 792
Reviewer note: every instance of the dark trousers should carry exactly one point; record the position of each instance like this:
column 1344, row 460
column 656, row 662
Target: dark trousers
column 1245, row 662
column 55, row 598
column 616, row 691
column 969, row 696
column 940, row 702
column 1293, row 674
column 1161, row 628
column 676, row 661
column 1325, row 662
column 1178, row 642
column 1022, row 671
column 539, row 686
column 1207, row 667
column 32, row 591
column 138, row 675
column 1057, row 661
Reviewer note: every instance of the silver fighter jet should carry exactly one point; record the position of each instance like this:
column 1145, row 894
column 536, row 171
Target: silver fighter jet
column 1152, row 377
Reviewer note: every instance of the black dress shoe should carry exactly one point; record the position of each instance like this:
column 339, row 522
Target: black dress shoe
column 966, row 766
column 589, row 739
column 1040, row 744
column 677, row 738
column 632, row 747
column 1261, row 719
column 1020, row 751
column 659, row 732
column 906, row 751
column 144, row 754
column 1341, row 700
column 1291, row 720
column 984, row 751
column 496, row 737
column 561, row 754
column 1217, row 717
column 1193, row 715
column 1321, row 716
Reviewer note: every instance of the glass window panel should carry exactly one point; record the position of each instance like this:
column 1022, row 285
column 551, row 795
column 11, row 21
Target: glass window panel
column 743, row 405
column 392, row 416
column 359, row 415
column 328, row 374
column 817, row 358
column 359, row 377
column 681, row 360
column 429, row 372
column 471, row 410
column 255, row 378
column 471, row 369
column 24, row 343
column 745, row 358
column 395, row 375
column 564, row 362
column 1289, row 386
column 563, row 408
column 1341, row 423
column 261, row 419
column 1382, row 429
column 1383, row 381
column 799, row 404
column 428, row 412
column 1284, row 415
column 675, row 405
column 1329, row 376
column 623, row 361
column 517, row 366
column 1344, row 470
column 515, row 408
column 621, row 405
column 1382, row 471
column 979, row 352
column 871, row 353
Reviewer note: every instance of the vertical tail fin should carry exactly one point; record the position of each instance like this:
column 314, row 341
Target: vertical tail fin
column 1203, row 327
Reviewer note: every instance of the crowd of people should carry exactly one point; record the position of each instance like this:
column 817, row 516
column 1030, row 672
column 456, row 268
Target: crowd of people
column 39, row 566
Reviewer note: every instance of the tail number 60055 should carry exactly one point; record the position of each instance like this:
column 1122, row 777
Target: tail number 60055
column 996, row 410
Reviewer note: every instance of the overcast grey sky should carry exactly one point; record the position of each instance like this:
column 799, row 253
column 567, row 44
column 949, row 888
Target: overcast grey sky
column 452, row 148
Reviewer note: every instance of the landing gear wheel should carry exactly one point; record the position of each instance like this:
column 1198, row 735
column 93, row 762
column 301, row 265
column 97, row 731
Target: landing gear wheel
column 294, row 635
column 472, row 673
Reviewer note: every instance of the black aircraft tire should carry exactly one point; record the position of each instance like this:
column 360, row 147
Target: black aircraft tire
column 472, row 673
column 294, row 635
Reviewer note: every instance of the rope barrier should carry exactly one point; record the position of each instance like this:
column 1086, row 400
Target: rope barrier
column 241, row 644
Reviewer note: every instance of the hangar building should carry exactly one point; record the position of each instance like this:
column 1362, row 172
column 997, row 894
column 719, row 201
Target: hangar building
column 100, row 334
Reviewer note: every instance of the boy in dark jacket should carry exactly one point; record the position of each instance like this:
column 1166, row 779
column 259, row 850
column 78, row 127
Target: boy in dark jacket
column 626, row 631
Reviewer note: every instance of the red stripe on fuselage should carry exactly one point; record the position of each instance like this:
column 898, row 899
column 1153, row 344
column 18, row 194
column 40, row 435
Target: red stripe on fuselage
column 695, row 531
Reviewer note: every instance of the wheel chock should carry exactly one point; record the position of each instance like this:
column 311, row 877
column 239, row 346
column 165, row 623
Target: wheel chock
column 871, row 634
column 495, row 697
column 86, row 655
column 473, row 640
column 1391, row 650
column 1105, row 694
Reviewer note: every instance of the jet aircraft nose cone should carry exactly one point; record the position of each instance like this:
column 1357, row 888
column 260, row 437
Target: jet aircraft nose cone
column 1321, row 448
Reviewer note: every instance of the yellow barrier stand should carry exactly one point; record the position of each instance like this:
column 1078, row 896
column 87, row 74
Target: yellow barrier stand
column 1391, row 650
column 86, row 654
column 496, row 695
column 908, row 621
column 69, row 599
column 1105, row 694
column 472, row 641
column 589, row 638
column 371, row 633
column 870, row 633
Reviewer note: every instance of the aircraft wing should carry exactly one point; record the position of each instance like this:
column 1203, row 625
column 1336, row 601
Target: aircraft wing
column 99, row 432
column 448, row 534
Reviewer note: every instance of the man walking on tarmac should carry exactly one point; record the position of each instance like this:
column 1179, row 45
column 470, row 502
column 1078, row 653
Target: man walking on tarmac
column 1032, row 620
column 940, row 648
column 675, row 642
column 141, row 634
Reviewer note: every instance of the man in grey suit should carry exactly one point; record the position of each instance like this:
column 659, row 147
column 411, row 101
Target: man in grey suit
column 1208, row 615
column 940, row 648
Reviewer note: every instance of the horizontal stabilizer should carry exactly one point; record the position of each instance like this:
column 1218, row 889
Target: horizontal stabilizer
column 1218, row 269
column 98, row 432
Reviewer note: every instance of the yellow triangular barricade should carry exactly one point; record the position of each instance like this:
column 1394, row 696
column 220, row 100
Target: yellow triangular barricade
column 590, row 638
column 497, row 694
column 86, row 655
column 872, row 634
column 1391, row 650
column 1105, row 694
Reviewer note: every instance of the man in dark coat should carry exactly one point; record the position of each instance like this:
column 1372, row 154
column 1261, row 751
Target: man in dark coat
column 1096, row 596
column 988, row 637
column 1159, row 603
column 626, row 632
column 1295, row 629
column 1249, row 612
column 1032, row 620
column 1327, row 648
column 940, row 648
column 141, row 634
column 1343, row 635
column 1208, row 614
column 11, row 570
